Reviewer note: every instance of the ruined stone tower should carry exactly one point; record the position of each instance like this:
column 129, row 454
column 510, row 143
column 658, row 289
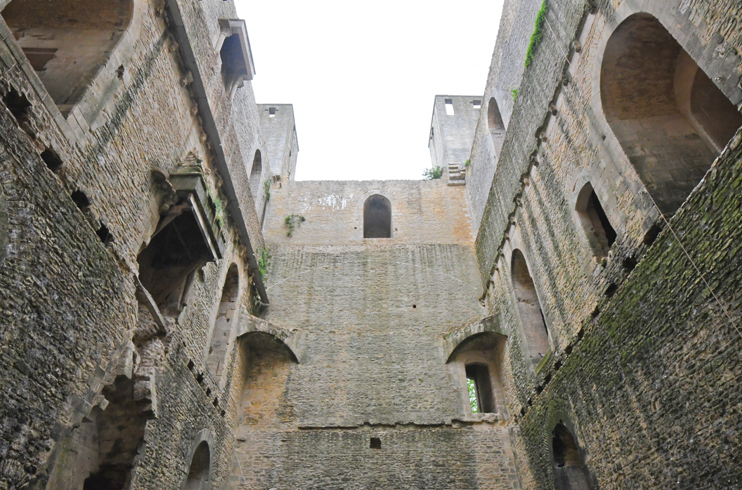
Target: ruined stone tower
column 560, row 310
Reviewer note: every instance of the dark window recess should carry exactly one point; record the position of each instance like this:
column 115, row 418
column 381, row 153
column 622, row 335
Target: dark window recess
column 598, row 229
column 104, row 235
column 570, row 473
column 233, row 61
column 663, row 99
column 177, row 249
column 377, row 217
column 39, row 57
column 81, row 200
column 531, row 316
column 480, row 378
column 198, row 473
column 51, row 159
column 375, row 443
column 17, row 104
column 113, row 437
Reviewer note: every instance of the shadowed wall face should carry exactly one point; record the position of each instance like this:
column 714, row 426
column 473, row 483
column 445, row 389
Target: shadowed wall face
column 67, row 41
column 669, row 118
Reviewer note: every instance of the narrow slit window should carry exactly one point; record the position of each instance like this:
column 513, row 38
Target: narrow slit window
column 449, row 107
column 479, row 385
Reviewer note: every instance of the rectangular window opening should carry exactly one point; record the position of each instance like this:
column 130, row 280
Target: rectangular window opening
column 271, row 112
column 477, row 104
column 449, row 107
column 479, row 385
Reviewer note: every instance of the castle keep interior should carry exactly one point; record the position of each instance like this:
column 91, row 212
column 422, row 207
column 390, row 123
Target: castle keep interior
column 559, row 310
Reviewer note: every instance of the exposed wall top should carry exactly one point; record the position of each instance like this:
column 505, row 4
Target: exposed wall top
column 279, row 131
column 452, row 133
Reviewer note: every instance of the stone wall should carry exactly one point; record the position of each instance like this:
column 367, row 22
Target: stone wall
column 619, row 343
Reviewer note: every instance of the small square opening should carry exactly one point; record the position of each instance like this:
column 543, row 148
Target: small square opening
column 375, row 443
column 449, row 107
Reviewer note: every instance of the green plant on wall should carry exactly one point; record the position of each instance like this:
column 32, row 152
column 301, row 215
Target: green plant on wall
column 537, row 31
column 292, row 221
column 220, row 207
column 264, row 258
column 267, row 187
column 514, row 93
column 467, row 163
column 433, row 173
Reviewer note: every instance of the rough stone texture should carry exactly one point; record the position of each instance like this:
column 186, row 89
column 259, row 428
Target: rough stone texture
column 355, row 375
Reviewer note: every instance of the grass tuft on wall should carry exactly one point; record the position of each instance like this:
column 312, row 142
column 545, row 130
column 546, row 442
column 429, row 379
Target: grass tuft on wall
column 536, row 36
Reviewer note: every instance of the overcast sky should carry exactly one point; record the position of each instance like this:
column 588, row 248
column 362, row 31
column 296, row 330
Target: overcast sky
column 362, row 75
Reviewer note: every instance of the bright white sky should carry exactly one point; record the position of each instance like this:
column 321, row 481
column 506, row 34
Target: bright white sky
column 362, row 75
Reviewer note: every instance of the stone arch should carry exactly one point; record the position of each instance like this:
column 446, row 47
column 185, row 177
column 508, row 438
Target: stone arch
column 496, row 126
column 67, row 42
column 265, row 361
column 199, row 471
column 101, row 452
column 669, row 118
column 570, row 472
column 529, row 309
column 595, row 223
column 477, row 363
column 224, row 324
column 255, row 172
column 377, row 217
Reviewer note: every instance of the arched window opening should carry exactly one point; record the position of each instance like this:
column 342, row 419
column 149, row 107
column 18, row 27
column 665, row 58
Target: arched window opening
column 377, row 217
column 529, row 308
column 255, row 173
column 265, row 363
column 669, row 118
column 198, row 474
column 68, row 41
column 598, row 229
column 226, row 317
column 101, row 452
column 478, row 380
column 569, row 472
column 495, row 125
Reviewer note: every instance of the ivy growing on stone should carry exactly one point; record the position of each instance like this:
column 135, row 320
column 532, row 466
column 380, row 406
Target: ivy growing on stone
column 536, row 36
column 433, row 173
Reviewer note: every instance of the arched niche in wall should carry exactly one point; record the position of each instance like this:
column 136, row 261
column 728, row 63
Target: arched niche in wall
column 101, row 452
column 199, row 471
column 377, row 217
column 595, row 223
column 265, row 362
column 255, row 173
column 68, row 41
column 529, row 309
column 477, row 361
column 570, row 472
column 495, row 125
column 224, row 324
column 669, row 117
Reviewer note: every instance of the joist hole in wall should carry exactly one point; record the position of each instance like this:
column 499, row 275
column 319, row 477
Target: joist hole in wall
column 82, row 201
column 52, row 160
column 668, row 116
column 17, row 104
column 104, row 234
column 375, row 443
